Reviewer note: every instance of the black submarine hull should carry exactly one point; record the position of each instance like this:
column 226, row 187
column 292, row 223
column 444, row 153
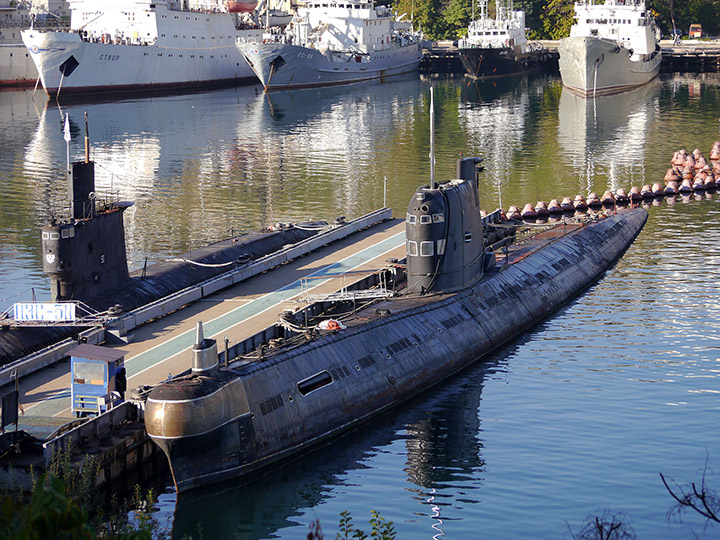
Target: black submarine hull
column 244, row 418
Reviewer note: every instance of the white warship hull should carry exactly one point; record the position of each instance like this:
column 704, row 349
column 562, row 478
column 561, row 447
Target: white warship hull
column 283, row 66
column 593, row 66
column 110, row 68
column 16, row 66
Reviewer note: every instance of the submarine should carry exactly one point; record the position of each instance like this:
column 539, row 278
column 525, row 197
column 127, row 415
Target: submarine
column 468, row 284
column 84, row 254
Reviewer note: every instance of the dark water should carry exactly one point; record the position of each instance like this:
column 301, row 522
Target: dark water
column 578, row 416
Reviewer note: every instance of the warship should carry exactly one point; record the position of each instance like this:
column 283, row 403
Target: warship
column 470, row 282
column 331, row 44
column 498, row 47
column 613, row 46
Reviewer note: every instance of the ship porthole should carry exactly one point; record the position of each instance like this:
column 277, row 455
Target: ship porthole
column 290, row 398
column 440, row 330
column 387, row 356
column 357, row 367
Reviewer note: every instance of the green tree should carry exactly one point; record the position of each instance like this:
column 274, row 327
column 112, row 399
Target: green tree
column 49, row 514
column 533, row 10
column 423, row 13
column 557, row 18
column 456, row 16
column 705, row 12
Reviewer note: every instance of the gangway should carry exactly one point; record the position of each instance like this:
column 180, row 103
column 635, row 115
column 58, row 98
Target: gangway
column 344, row 293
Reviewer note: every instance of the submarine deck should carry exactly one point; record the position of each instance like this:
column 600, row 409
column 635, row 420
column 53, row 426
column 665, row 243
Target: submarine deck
column 526, row 239
column 163, row 347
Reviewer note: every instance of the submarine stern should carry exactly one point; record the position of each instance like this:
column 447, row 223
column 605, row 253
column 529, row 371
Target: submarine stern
column 201, row 420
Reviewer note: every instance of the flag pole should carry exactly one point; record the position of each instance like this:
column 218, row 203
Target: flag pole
column 66, row 136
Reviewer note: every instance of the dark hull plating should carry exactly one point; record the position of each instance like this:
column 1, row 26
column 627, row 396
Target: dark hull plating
column 72, row 94
column 489, row 63
column 246, row 417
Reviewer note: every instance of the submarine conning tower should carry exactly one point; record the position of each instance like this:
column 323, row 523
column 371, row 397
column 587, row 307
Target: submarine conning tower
column 444, row 232
column 84, row 251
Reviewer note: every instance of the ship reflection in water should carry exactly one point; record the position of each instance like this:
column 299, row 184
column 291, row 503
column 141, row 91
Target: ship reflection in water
column 282, row 158
column 605, row 137
column 494, row 114
column 436, row 436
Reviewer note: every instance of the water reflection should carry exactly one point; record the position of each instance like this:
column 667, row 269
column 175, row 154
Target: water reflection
column 607, row 136
column 442, row 450
column 493, row 113
column 618, row 386
column 200, row 164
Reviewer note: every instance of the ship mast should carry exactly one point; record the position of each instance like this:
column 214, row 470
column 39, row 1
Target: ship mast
column 432, row 140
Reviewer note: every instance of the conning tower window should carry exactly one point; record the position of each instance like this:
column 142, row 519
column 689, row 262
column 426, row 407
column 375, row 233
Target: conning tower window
column 412, row 248
column 425, row 219
column 411, row 219
column 427, row 249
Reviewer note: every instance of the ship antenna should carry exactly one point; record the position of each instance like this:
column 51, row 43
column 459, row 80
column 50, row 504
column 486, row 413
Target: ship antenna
column 87, row 140
column 432, row 140
column 199, row 337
